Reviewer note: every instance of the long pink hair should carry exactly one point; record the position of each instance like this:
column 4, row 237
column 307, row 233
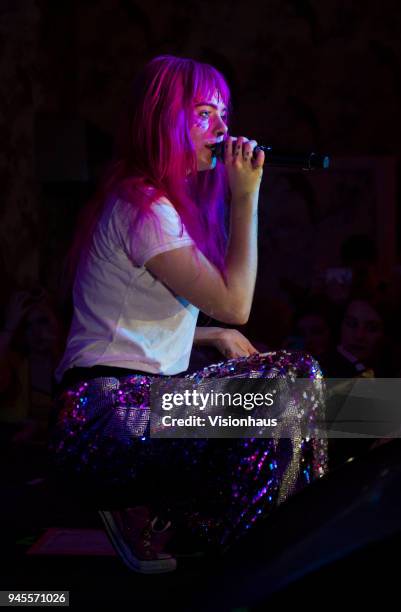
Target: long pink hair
column 154, row 153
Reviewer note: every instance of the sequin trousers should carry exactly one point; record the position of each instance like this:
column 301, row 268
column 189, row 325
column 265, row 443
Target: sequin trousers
column 222, row 487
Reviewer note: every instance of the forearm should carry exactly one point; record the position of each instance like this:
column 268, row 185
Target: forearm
column 205, row 336
column 242, row 255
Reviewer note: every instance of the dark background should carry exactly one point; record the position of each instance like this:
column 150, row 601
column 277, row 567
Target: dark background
column 304, row 74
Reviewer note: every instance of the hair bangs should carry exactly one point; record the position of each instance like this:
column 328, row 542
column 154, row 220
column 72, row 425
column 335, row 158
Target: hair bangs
column 207, row 82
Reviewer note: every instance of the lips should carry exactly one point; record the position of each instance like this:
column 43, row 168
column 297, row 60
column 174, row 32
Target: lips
column 356, row 349
column 217, row 150
column 209, row 145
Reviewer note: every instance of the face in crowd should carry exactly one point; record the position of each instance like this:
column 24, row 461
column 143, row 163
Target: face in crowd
column 361, row 330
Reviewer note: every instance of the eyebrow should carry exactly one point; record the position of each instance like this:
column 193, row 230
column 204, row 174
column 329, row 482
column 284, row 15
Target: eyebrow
column 209, row 104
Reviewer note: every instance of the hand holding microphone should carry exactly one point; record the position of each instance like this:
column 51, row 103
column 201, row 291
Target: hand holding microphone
column 244, row 167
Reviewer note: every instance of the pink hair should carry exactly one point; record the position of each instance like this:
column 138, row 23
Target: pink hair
column 154, row 153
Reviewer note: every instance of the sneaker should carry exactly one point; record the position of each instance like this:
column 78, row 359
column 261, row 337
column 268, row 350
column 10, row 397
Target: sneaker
column 140, row 540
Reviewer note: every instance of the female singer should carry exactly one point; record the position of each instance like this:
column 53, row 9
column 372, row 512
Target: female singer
column 170, row 232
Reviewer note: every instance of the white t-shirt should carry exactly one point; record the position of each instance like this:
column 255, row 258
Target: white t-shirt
column 123, row 315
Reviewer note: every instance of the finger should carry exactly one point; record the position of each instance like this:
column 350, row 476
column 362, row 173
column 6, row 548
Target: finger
column 228, row 153
column 253, row 350
column 235, row 353
column 246, row 146
column 244, row 350
column 244, row 139
column 250, row 144
column 239, row 143
column 250, row 348
column 247, row 151
column 259, row 160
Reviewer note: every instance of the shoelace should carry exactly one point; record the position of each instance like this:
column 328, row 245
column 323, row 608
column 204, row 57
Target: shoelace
column 153, row 525
column 149, row 531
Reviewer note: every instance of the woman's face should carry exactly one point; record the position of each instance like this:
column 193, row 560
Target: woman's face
column 361, row 330
column 208, row 126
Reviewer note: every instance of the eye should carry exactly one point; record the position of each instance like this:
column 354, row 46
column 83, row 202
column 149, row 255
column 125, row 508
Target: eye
column 204, row 114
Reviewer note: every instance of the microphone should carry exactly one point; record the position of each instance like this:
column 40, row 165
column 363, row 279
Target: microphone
column 282, row 159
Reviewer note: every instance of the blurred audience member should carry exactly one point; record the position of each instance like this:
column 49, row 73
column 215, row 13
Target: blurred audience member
column 363, row 348
column 356, row 276
column 29, row 349
column 313, row 329
column 14, row 366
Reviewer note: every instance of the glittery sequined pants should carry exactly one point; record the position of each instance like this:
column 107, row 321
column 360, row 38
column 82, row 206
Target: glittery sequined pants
column 226, row 484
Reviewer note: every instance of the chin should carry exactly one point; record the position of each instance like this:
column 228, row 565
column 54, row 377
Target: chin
column 209, row 164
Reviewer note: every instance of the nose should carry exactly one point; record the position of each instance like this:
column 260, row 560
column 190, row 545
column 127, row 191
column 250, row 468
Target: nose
column 359, row 334
column 220, row 127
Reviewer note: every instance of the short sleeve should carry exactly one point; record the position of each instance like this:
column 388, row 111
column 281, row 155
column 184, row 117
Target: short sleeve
column 157, row 233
